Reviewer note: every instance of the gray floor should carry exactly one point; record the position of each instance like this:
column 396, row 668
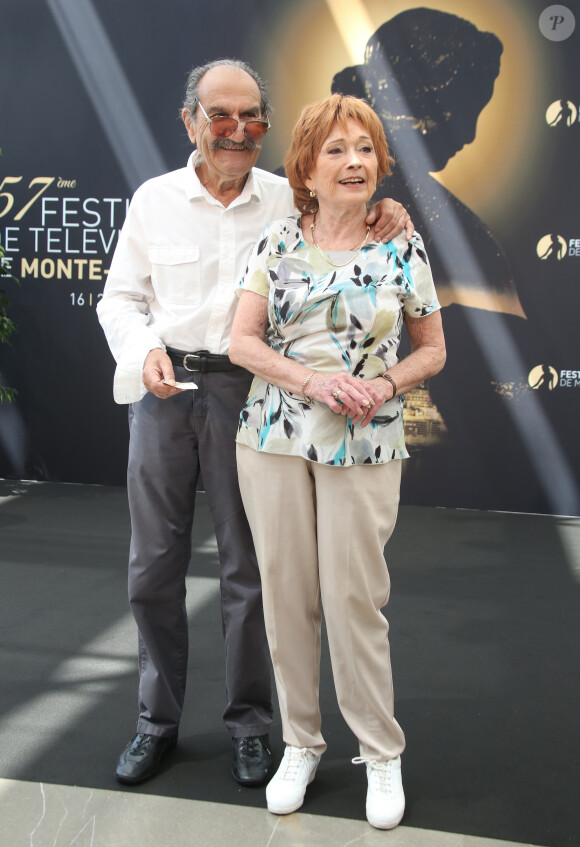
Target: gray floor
column 42, row 815
column 68, row 667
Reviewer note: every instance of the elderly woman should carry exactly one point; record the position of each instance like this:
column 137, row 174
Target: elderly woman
column 321, row 443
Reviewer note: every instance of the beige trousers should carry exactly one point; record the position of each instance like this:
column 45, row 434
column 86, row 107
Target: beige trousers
column 319, row 533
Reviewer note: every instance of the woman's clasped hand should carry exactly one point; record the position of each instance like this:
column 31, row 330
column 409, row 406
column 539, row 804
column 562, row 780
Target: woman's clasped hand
column 355, row 398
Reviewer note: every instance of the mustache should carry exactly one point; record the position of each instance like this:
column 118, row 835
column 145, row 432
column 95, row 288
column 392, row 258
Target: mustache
column 225, row 144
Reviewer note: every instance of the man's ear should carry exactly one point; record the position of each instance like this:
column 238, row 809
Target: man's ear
column 189, row 125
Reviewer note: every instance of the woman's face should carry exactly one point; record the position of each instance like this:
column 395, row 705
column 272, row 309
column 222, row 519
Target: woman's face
column 345, row 170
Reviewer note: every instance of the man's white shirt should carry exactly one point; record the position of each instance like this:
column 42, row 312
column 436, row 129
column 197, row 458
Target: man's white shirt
column 179, row 259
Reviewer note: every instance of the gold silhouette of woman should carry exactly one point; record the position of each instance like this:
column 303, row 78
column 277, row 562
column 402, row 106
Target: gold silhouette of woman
column 428, row 75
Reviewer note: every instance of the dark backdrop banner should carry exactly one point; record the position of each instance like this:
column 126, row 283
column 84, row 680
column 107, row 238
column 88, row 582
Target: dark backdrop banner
column 480, row 101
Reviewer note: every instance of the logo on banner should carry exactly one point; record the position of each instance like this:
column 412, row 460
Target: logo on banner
column 552, row 246
column 543, row 377
column 546, row 378
column 561, row 113
column 557, row 23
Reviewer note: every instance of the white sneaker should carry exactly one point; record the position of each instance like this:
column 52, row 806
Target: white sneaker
column 285, row 791
column 385, row 796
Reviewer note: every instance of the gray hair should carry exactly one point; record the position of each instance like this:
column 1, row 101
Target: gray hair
column 195, row 76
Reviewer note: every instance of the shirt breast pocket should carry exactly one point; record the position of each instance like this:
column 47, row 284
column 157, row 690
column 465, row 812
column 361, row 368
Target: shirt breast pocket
column 175, row 274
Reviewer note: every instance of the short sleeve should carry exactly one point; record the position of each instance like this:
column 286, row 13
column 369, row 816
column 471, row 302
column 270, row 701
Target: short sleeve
column 255, row 277
column 420, row 295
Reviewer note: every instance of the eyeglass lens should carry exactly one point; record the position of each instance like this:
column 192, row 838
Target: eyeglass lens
column 224, row 127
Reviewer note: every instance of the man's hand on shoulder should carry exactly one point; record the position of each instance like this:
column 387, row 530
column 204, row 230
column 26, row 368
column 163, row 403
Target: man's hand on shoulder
column 156, row 368
column 389, row 218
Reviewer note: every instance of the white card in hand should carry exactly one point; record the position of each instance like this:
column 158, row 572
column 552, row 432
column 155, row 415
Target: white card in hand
column 182, row 385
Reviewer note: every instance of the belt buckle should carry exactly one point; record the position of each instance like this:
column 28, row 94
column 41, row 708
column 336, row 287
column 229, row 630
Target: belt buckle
column 192, row 356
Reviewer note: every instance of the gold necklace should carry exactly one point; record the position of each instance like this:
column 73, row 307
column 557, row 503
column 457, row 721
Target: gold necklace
column 327, row 257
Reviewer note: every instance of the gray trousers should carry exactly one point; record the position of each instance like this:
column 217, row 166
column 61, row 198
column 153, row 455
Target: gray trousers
column 171, row 441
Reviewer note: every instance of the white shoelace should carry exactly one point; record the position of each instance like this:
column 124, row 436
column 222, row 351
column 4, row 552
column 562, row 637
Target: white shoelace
column 292, row 761
column 381, row 770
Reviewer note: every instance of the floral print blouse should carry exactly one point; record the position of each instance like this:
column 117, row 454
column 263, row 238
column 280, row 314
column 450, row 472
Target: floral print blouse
column 332, row 319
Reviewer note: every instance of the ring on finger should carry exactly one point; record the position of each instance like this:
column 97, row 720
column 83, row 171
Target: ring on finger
column 336, row 394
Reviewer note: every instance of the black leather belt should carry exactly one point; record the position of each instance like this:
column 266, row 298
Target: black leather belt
column 201, row 361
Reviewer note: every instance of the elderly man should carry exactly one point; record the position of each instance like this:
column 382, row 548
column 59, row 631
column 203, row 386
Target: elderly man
column 167, row 312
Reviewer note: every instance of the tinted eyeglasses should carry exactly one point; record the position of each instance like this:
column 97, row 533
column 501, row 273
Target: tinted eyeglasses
column 222, row 126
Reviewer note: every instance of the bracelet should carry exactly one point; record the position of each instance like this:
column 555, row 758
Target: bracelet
column 304, row 384
column 390, row 379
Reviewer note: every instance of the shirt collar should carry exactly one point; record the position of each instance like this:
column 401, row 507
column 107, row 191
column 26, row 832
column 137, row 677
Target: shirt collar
column 194, row 189
column 252, row 187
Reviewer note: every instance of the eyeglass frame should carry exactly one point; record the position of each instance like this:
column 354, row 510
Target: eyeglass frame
column 197, row 102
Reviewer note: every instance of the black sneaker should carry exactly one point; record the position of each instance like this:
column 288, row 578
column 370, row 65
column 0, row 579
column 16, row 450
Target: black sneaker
column 252, row 763
column 141, row 758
